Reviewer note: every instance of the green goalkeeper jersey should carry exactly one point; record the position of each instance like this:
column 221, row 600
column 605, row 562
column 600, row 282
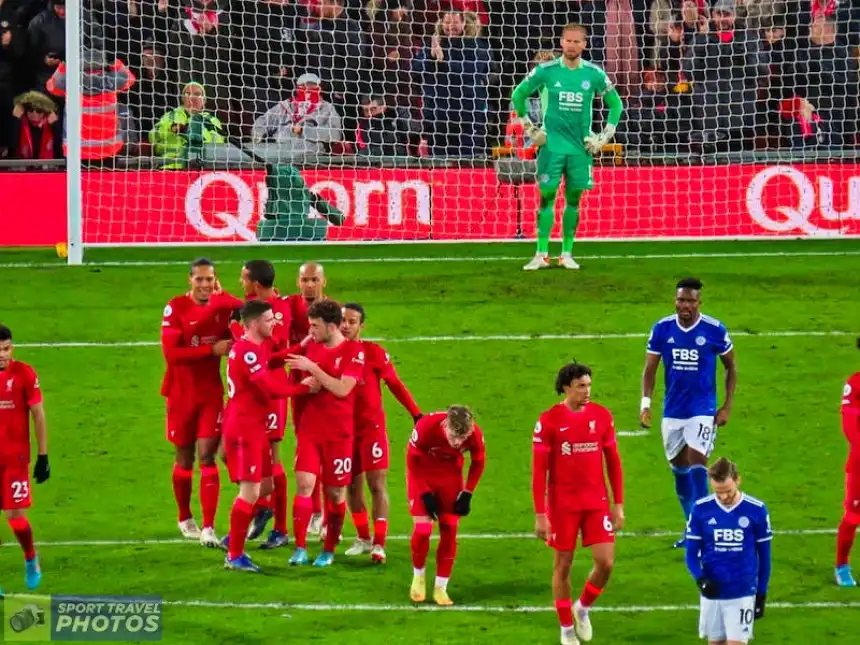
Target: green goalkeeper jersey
column 569, row 98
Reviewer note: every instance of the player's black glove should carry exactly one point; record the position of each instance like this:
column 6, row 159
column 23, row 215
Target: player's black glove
column 236, row 315
column 417, row 417
column 42, row 469
column 709, row 588
column 431, row 505
column 463, row 504
column 760, row 600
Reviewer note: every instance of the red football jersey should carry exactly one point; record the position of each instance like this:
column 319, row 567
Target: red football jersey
column 299, row 324
column 429, row 443
column 851, row 421
column 282, row 310
column 369, row 413
column 324, row 414
column 575, row 442
column 248, row 390
column 188, row 330
column 19, row 391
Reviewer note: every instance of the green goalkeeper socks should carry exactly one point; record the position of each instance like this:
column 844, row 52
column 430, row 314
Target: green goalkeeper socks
column 546, row 217
column 570, row 221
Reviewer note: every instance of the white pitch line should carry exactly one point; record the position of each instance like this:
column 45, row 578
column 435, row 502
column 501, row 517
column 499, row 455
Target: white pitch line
column 396, row 538
column 447, row 259
column 495, row 609
column 632, row 433
column 455, row 339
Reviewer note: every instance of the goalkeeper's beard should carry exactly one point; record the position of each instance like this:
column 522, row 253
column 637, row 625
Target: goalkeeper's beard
column 572, row 58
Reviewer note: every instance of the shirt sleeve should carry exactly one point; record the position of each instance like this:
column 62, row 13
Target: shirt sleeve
column 694, row 529
column 354, row 368
column 763, row 531
column 530, row 84
column 32, row 391
column 724, row 341
column 655, row 341
column 603, row 84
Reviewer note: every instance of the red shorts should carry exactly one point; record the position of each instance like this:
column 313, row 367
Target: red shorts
column 246, row 456
column 370, row 451
column 329, row 460
column 276, row 421
column 852, row 493
column 595, row 526
column 15, row 485
column 444, row 487
column 186, row 423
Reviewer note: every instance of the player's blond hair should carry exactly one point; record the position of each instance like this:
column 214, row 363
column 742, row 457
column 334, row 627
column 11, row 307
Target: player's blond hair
column 574, row 26
column 460, row 419
column 723, row 469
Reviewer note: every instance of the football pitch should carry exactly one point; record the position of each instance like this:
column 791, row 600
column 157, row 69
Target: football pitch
column 463, row 324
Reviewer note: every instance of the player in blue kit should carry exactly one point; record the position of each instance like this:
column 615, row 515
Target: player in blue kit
column 728, row 554
column 689, row 343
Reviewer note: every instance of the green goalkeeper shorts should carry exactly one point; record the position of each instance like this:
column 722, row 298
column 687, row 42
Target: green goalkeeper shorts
column 576, row 169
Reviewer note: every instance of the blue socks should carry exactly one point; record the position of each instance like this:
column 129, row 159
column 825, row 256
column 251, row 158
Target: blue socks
column 684, row 489
column 699, row 475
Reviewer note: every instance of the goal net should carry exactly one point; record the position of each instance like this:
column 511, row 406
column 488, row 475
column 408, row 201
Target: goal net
column 376, row 120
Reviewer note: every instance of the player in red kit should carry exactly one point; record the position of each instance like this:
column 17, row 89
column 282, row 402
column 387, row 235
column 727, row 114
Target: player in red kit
column 325, row 427
column 851, row 516
column 20, row 399
column 258, row 283
column 195, row 334
column 311, row 283
column 370, row 450
column 571, row 441
column 251, row 388
column 436, row 492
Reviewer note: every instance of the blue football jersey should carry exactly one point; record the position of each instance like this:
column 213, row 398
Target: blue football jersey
column 729, row 540
column 690, row 364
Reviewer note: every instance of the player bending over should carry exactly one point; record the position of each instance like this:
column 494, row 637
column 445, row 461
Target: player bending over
column 258, row 283
column 851, row 517
column 688, row 343
column 325, row 427
column 567, row 145
column 436, row 492
column 20, row 399
column 195, row 334
column 571, row 441
column 728, row 555
column 370, row 450
column 251, row 389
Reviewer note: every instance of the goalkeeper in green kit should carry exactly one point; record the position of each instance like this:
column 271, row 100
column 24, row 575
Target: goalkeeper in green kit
column 566, row 142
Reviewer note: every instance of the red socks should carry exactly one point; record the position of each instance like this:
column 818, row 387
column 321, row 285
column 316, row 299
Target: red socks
column 447, row 550
column 845, row 538
column 362, row 527
column 279, row 498
column 335, row 514
column 590, row 593
column 210, row 487
column 380, row 532
column 240, row 519
column 564, row 609
column 302, row 511
column 21, row 527
column 182, row 482
column 421, row 544
column 316, row 497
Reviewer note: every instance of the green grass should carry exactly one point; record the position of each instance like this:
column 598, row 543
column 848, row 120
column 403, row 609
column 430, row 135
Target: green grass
column 111, row 464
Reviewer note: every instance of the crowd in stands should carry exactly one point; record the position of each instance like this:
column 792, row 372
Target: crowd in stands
column 422, row 77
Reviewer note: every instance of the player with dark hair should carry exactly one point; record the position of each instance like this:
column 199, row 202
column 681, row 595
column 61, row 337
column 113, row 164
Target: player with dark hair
column 728, row 554
column 436, row 491
column 325, row 427
column 251, row 388
column 20, row 400
column 567, row 145
column 258, row 283
column 689, row 343
column 195, row 334
column 851, row 515
column 570, row 443
column 370, row 450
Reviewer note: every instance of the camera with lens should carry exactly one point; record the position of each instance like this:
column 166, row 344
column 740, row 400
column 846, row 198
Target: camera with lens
column 27, row 617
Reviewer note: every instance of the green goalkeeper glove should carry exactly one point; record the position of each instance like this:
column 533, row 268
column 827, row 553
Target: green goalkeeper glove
column 594, row 142
column 533, row 132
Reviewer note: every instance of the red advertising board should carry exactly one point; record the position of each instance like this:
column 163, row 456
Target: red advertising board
column 159, row 207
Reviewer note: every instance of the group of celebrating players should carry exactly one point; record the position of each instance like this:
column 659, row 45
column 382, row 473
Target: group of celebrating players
column 333, row 386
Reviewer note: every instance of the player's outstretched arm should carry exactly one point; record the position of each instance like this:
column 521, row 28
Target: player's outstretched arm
column 649, row 380
column 42, row 470
column 729, row 363
column 401, row 392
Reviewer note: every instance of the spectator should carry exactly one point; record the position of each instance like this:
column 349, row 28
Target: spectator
column 724, row 65
column 181, row 133
column 384, row 130
column 388, row 24
column 100, row 83
column 693, row 18
column 36, row 115
column 47, row 41
column 150, row 96
column 622, row 53
column 453, row 72
column 760, row 14
column 12, row 62
column 305, row 124
column 806, row 127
